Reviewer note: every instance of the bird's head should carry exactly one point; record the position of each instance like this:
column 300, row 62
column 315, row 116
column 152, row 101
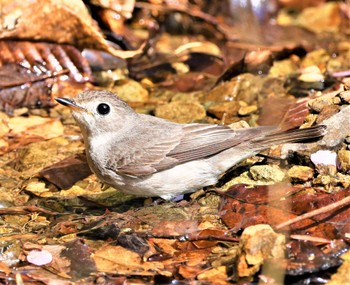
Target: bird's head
column 99, row 112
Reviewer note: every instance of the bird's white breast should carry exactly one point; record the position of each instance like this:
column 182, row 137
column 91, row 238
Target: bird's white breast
column 181, row 179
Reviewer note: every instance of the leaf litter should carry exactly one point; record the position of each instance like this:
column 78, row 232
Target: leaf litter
column 280, row 217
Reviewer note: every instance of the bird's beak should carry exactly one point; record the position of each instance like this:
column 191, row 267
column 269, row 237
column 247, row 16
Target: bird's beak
column 70, row 104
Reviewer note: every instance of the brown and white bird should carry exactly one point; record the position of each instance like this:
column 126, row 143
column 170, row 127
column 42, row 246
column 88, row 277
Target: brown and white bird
column 147, row 156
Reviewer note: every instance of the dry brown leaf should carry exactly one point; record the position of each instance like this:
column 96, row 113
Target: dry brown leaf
column 67, row 172
column 44, row 276
column 40, row 61
column 116, row 259
column 21, row 87
column 189, row 272
column 166, row 245
column 4, row 268
column 45, row 128
column 65, row 22
column 196, row 257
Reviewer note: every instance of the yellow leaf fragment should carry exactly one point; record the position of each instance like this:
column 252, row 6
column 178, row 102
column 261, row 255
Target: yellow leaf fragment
column 39, row 189
column 216, row 275
column 46, row 128
column 118, row 260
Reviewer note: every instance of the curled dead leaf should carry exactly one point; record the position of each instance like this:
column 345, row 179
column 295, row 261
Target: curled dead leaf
column 65, row 22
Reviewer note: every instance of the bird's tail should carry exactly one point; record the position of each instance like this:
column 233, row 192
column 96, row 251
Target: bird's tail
column 292, row 136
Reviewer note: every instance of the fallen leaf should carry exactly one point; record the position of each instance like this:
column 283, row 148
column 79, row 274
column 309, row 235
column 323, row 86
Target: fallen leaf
column 45, row 128
column 116, row 259
column 67, row 172
column 81, row 262
column 40, row 61
column 65, row 22
column 215, row 275
column 4, row 268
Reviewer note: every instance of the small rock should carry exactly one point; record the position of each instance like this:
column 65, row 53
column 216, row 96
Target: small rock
column 131, row 91
column 283, row 68
column 325, row 157
column 259, row 243
column 311, row 74
column 245, row 87
column 266, row 173
column 230, row 109
column 301, row 173
column 181, row 112
column 343, row 179
column 311, row 77
column 336, row 101
column 345, row 95
column 247, row 110
column 39, row 257
column 325, row 162
column 317, row 105
column 327, row 112
column 239, row 125
column 323, row 18
column 244, row 178
column 344, row 159
column 310, row 120
column 318, row 57
column 322, row 180
column 227, row 91
column 338, row 128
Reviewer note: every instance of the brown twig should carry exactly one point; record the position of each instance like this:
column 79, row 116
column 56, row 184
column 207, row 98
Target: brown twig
column 339, row 204
column 12, row 237
column 25, row 210
column 194, row 237
column 310, row 238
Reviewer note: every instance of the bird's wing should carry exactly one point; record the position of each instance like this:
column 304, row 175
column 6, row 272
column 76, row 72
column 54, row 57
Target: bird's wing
column 204, row 140
column 183, row 144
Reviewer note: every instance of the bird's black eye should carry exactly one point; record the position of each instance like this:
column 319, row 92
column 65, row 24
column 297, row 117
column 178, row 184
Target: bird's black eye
column 103, row 109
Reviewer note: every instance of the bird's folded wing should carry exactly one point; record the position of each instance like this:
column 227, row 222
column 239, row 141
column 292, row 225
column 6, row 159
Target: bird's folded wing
column 193, row 141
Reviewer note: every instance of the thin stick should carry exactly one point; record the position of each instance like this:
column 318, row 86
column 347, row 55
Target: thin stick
column 310, row 238
column 24, row 210
column 319, row 211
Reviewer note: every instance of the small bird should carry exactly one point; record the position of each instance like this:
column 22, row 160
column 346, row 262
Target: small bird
column 148, row 156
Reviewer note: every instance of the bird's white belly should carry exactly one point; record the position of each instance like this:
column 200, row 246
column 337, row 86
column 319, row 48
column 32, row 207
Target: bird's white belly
column 181, row 179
